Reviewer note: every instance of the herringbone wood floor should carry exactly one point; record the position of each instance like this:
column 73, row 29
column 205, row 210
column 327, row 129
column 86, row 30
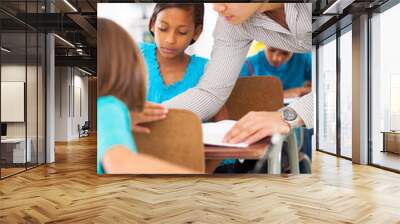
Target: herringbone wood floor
column 69, row 191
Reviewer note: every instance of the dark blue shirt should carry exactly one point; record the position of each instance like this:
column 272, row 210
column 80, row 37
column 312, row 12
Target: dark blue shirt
column 292, row 74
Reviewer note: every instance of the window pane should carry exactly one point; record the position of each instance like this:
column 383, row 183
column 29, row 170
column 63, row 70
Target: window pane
column 386, row 88
column 327, row 97
column 31, row 97
column 14, row 153
column 32, row 87
column 346, row 94
column 41, row 98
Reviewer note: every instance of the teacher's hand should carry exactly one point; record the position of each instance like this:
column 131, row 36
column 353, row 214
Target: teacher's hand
column 151, row 112
column 255, row 126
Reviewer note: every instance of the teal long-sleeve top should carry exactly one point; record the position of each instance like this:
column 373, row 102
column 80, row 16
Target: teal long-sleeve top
column 158, row 91
column 113, row 127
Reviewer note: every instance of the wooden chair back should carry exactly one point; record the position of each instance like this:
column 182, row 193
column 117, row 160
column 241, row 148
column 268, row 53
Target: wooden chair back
column 176, row 139
column 257, row 93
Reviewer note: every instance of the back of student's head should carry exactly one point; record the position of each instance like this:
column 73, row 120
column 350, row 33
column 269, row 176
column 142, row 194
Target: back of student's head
column 121, row 71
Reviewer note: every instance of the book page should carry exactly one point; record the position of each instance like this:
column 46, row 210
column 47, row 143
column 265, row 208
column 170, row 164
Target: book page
column 214, row 132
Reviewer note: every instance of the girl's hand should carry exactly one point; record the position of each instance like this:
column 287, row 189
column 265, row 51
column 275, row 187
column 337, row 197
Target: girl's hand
column 151, row 112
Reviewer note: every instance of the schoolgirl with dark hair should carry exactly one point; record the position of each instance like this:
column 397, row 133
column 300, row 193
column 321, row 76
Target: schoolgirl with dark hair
column 174, row 26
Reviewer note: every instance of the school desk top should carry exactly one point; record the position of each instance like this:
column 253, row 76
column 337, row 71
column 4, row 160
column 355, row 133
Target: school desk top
column 254, row 151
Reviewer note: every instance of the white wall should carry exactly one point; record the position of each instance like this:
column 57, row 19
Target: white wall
column 61, row 103
column 203, row 45
column 33, row 126
column 50, row 92
column 12, row 73
column 79, row 117
column 13, row 101
column 133, row 17
column 69, row 82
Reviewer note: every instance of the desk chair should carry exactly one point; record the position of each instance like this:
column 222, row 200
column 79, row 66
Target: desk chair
column 84, row 129
column 272, row 159
column 261, row 93
column 176, row 139
column 304, row 146
column 305, row 155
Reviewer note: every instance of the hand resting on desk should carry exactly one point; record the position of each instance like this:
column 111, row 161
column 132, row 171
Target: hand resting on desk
column 213, row 133
column 255, row 126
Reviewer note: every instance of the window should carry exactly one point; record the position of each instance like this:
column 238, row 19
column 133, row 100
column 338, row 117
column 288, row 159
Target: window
column 327, row 96
column 22, row 64
column 346, row 93
column 385, row 87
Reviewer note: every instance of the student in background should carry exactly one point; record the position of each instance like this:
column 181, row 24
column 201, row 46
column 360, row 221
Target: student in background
column 293, row 69
column 122, row 91
column 174, row 26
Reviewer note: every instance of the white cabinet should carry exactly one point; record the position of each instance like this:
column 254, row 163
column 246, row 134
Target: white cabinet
column 18, row 149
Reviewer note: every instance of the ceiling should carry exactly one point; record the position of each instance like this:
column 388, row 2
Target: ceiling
column 74, row 22
column 330, row 16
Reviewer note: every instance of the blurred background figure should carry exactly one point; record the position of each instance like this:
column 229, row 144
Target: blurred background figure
column 293, row 69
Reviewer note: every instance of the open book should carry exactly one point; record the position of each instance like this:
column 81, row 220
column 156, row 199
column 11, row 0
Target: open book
column 290, row 100
column 214, row 132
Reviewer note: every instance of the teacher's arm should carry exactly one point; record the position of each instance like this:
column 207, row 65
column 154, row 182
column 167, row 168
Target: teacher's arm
column 304, row 108
column 255, row 126
column 229, row 52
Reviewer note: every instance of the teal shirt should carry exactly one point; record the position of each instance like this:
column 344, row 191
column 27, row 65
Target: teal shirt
column 113, row 127
column 158, row 91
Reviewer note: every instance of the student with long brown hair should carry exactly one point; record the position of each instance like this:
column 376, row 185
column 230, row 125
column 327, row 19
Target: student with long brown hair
column 122, row 92
column 174, row 26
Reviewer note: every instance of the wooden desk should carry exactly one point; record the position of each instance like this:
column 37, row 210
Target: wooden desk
column 215, row 154
column 391, row 141
column 255, row 151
